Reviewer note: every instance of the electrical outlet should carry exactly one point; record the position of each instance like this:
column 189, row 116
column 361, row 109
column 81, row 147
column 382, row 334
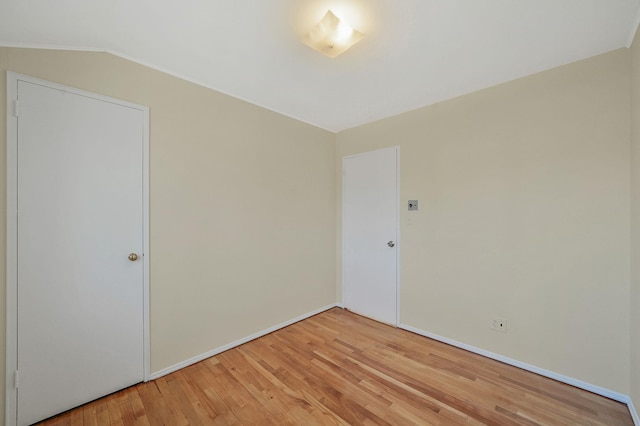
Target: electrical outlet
column 498, row 324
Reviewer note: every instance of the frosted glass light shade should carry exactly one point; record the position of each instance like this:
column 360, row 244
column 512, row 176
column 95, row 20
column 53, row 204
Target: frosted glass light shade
column 331, row 36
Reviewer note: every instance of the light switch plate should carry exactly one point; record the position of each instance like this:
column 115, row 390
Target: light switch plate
column 413, row 205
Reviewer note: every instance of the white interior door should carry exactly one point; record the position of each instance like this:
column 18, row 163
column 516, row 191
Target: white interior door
column 80, row 299
column 370, row 234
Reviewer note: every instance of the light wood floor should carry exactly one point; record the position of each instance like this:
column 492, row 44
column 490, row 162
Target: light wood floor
column 340, row 368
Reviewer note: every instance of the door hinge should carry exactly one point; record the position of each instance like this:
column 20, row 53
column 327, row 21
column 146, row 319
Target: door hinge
column 16, row 379
column 16, row 108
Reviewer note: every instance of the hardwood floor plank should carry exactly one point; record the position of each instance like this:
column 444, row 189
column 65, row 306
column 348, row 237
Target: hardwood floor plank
column 220, row 412
column 338, row 368
column 235, row 395
column 155, row 405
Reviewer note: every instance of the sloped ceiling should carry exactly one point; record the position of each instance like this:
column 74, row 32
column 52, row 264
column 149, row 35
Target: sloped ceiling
column 415, row 53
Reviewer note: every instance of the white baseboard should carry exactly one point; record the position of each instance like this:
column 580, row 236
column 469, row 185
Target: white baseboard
column 616, row 396
column 634, row 413
column 232, row 345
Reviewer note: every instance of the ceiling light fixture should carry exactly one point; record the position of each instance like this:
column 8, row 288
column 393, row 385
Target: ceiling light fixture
column 332, row 36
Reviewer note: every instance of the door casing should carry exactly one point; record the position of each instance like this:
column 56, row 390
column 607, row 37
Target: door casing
column 12, row 234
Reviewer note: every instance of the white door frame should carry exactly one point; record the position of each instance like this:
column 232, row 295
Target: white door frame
column 12, row 231
column 397, row 230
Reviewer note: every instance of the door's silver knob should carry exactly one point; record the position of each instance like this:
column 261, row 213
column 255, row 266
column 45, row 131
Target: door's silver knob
column 133, row 257
column 391, row 244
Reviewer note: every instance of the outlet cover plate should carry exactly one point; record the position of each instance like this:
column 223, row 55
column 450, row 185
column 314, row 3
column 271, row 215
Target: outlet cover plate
column 498, row 324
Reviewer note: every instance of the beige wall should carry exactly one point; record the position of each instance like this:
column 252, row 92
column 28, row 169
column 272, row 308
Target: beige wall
column 242, row 204
column 635, row 221
column 524, row 214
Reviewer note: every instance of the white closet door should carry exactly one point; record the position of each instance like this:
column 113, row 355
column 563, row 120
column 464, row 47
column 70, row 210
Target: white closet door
column 80, row 215
column 370, row 226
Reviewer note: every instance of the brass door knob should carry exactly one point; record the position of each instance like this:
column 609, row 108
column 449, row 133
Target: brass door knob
column 133, row 257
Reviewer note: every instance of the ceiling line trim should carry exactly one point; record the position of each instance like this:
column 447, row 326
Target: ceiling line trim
column 634, row 30
column 156, row 68
column 51, row 47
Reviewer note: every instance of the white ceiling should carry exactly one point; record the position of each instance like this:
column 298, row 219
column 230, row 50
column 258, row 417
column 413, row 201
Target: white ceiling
column 416, row 52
